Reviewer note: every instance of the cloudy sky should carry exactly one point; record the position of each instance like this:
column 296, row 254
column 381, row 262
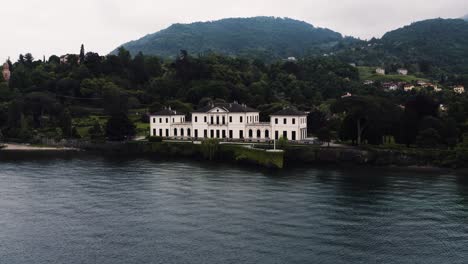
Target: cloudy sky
column 45, row 27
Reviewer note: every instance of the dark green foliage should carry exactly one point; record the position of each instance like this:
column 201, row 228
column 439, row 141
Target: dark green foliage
column 66, row 124
column 155, row 139
column 325, row 135
column 96, row 132
column 428, row 138
column 260, row 37
column 432, row 47
column 210, row 148
column 119, row 127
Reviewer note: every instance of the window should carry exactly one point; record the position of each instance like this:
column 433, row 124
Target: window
column 167, row 120
column 276, row 135
column 196, row 119
column 230, row 119
column 205, row 133
column 160, row 133
column 167, row 132
column 259, row 133
column 250, row 133
column 241, row 119
column 276, row 120
column 188, row 132
column 217, row 133
column 175, row 132
column 154, row 120
column 285, row 134
column 160, row 120
column 224, row 133
column 294, row 121
column 204, row 119
column 293, row 135
column 285, row 121
column 212, row 119
column 154, row 132
column 267, row 134
column 224, row 120
column 230, row 134
column 196, row 133
column 173, row 120
column 241, row 134
column 211, row 133
column 217, row 120
column 181, row 132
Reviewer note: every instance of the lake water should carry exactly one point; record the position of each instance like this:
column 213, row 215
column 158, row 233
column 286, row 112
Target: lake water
column 140, row 211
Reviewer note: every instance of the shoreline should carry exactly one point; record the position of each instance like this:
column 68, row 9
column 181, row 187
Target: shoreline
column 28, row 147
column 179, row 151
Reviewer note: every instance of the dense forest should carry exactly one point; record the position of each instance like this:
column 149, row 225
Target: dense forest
column 96, row 97
column 266, row 38
column 435, row 47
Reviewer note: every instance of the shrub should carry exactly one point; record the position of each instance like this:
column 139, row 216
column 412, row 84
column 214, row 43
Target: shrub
column 209, row 148
column 155, row 139
column 282, row 143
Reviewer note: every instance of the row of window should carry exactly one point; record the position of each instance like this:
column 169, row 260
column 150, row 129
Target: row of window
column 222, row 120
column 285, row 121
column 167, row 120
column 222, row 133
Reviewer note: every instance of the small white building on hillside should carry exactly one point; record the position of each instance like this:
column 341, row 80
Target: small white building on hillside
column 380, row 71
column 229, row 121
column 402, row 71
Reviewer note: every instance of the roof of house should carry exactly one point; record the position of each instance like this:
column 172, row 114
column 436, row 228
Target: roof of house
column 167, row 112
column 289, row 112
column 229, row 107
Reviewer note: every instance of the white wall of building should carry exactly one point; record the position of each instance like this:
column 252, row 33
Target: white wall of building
column 291, row 127
column 218, row 123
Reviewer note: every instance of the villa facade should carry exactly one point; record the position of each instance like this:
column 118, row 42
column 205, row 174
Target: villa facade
column 229, row 122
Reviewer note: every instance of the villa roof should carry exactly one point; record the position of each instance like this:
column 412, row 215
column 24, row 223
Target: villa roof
column 289, row 112
column 167, row 112
column 229, row 107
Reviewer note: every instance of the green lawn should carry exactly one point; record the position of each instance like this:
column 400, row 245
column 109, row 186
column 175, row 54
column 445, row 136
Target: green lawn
column 368, row 73
column 83, row 124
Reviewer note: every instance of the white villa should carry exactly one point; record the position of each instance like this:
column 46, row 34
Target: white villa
column 229, row 121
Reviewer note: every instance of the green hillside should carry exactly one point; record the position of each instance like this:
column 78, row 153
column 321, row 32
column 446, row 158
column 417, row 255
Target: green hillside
column 430, row 46
column 368, row 73
column 264, row 37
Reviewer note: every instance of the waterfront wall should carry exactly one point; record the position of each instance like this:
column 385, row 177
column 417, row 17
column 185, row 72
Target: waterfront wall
column 370, row 156
column 163, row 150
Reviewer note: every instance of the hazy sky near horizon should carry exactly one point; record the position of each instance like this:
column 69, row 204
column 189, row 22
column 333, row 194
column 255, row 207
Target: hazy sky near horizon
column 45, row 27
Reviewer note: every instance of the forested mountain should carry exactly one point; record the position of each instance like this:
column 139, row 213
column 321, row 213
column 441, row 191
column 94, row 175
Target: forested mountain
column 262, row 37
column 432, row 46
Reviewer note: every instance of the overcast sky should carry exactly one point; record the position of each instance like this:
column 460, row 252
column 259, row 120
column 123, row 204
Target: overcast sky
column 45, row 27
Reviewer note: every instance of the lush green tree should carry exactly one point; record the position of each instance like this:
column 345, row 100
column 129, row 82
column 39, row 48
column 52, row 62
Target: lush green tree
column 66, row 124
column 361, row 111
column 325, row 135
column 96, row 132
column 428, row 138
column 119, row 127
column 82, row 54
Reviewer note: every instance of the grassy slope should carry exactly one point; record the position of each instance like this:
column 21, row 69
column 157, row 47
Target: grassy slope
column 368, row 73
